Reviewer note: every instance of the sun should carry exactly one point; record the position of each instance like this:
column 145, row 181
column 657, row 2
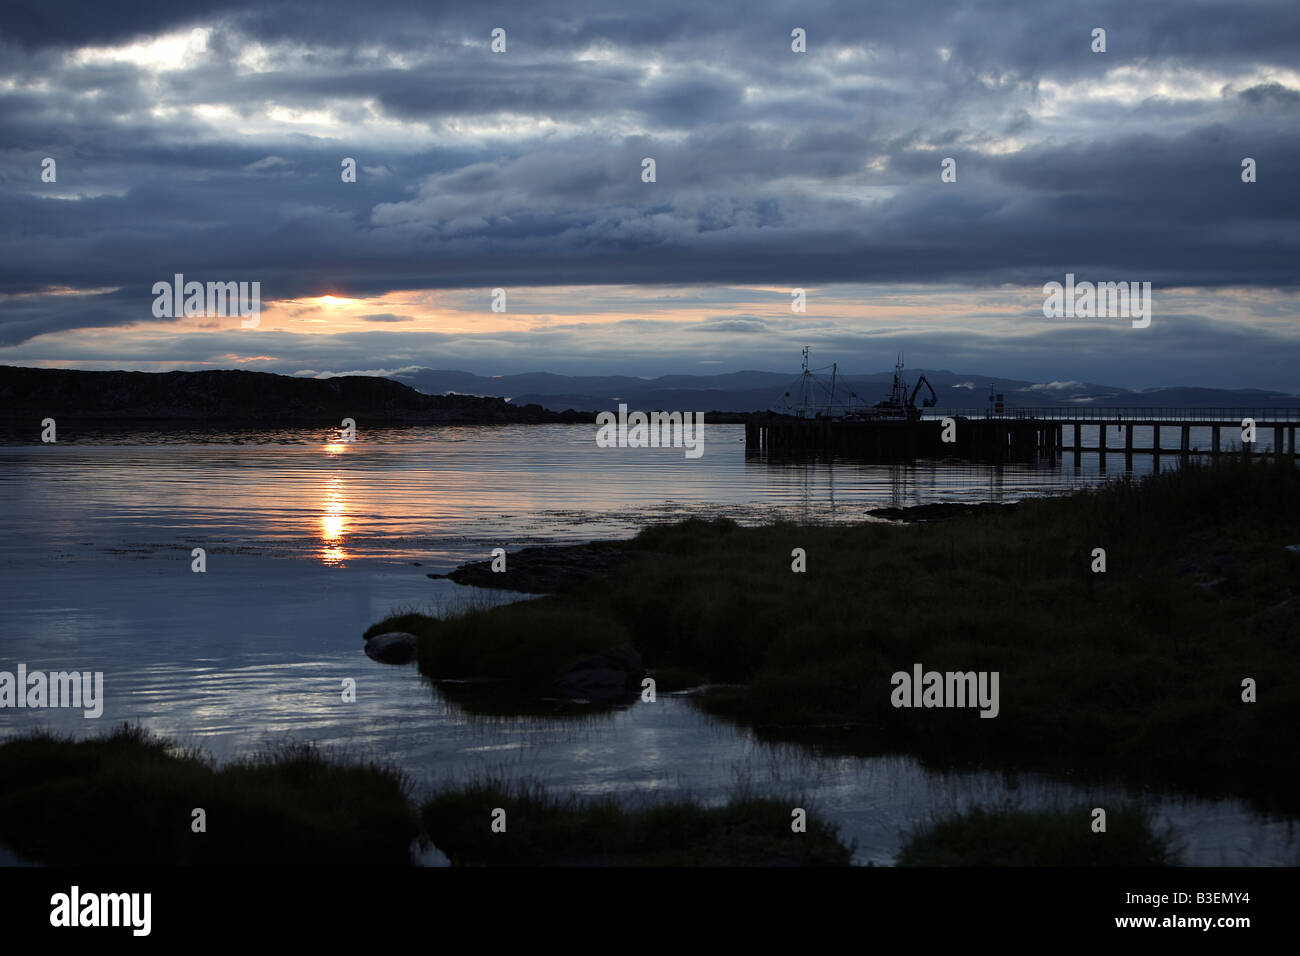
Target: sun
column 335, row 301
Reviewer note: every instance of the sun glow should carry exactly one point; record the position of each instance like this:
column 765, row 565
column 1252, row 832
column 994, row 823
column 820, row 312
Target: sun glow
column 335, row 301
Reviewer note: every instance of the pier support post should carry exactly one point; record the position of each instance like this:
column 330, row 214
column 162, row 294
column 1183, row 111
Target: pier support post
column 1101, row 445
column 1214, row 440
column 1277, row 442
column 1077, row 430
column 1128, row 447
column 1185, row 446
column 1155, row 447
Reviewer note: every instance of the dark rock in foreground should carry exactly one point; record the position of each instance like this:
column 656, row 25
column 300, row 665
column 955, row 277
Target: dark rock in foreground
column 1211, row 573
column 613, row 676
column 395, row 647
column 543, row 570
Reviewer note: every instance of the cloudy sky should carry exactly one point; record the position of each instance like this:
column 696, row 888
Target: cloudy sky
column 207, row 138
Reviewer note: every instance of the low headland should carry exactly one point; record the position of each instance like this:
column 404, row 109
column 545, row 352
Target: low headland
column 234, row 397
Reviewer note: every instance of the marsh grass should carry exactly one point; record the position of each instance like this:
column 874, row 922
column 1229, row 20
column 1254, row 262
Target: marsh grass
column 547, row 830
column 1137, row 670
column 1007, row 836
column 127, row 798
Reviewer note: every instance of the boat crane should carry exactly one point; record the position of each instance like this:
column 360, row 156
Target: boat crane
column 900, row 406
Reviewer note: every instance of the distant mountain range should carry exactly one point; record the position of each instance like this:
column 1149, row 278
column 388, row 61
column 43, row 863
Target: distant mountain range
column 430, row 396
column 756, row 391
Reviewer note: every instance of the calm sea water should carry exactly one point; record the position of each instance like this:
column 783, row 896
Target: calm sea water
column 309, row 541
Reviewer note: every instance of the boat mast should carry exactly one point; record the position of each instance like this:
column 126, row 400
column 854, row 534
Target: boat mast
column 805, row 389
column 898, row 395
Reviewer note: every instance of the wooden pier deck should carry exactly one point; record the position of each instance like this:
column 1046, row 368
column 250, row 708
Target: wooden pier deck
column 1026, row 434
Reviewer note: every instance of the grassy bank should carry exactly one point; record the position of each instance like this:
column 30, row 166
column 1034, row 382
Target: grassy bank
column 545, row 830
column 128, row 797
column 1009, row 837
column 1135, row 670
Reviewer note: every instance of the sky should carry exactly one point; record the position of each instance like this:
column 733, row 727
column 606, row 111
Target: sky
column 208, row 139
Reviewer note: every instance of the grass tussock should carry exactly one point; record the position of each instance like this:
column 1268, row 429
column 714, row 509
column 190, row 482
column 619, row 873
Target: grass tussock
column 1139, row 668
column 129, row 796
column 527, row 645
column 1012, row 837
column 546, row 830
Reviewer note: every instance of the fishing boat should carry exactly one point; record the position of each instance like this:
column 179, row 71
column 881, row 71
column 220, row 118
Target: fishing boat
column 813, row 396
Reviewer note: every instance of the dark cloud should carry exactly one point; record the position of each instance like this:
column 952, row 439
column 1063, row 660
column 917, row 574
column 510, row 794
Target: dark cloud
column 1272, row 95
column 221, row 160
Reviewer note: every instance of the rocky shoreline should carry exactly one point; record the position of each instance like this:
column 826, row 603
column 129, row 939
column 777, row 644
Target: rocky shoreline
column 554, row 569
column 546, row 569
column 941, row 511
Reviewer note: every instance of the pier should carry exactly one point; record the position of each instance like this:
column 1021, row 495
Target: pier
column 1025, row 435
